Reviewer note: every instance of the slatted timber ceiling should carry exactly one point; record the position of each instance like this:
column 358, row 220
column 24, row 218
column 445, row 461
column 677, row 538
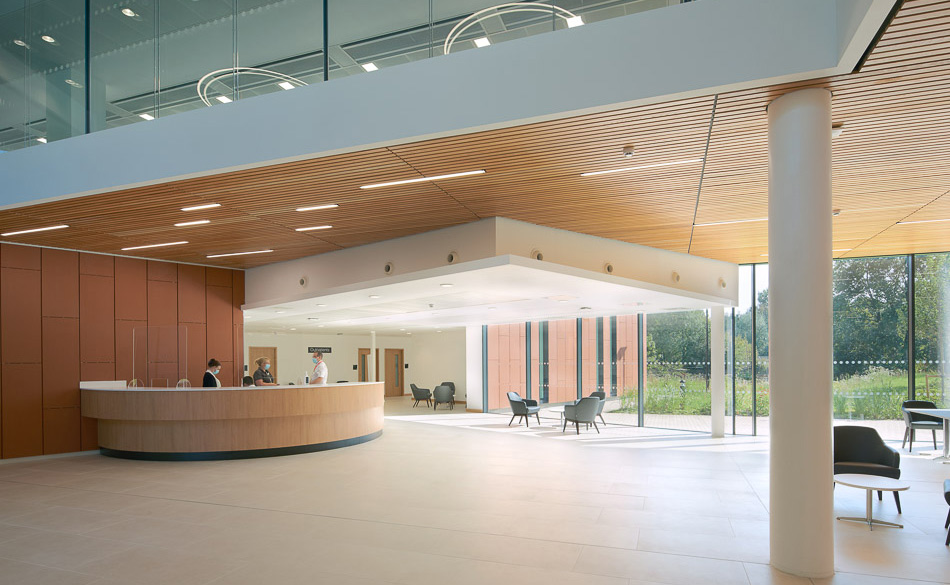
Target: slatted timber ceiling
column 891, row 163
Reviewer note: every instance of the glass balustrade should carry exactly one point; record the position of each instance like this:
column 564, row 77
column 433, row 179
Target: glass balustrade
column 70, row 67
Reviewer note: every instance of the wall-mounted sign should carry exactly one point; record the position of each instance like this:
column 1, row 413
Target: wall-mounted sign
column 320, row 349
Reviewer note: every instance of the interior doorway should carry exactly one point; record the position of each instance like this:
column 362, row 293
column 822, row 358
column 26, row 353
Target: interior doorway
column 259, row 352
column 363, row 364
column 395, row 378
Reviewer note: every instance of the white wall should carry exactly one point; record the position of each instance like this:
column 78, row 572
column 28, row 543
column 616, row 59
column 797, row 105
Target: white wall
column 293, row 361
column 432, row 357
column 439, row 357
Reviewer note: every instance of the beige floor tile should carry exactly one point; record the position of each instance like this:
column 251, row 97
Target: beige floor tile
column 10, row 532
column 685, row 542
column 763, row 574
column 662, row 568
column 153, row 566
column 17, row 573
column 59, row 550
column 64, row 519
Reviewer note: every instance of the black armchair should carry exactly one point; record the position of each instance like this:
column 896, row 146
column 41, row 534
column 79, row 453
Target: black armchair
column 420, row 394
column 442, row 394
column 914, row 421
column 861, row 450
column 582, row 411
column 523, row 408
column 451, row 385
column 600, row 409
column 946, row 496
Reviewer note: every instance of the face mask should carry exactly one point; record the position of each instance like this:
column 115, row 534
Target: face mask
column 218, row 371
column 315, row 360
column 266, row 366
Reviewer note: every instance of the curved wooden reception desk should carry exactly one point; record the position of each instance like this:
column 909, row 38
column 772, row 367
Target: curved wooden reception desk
column 233, row 423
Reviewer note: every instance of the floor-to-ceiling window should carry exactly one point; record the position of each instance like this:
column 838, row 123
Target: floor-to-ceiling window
column 677, row 385
column 870, row 341
column 932, row 328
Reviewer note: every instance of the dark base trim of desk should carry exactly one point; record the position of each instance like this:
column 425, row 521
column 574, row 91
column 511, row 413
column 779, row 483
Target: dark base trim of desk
column 249, row 454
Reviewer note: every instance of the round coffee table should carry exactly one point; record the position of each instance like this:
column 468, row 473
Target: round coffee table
column 871, row 483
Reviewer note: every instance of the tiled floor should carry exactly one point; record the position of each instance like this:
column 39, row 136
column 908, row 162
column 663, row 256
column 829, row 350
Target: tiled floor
column 450, row 498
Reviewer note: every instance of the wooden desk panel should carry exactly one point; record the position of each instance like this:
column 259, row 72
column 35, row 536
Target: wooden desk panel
column 226, row 423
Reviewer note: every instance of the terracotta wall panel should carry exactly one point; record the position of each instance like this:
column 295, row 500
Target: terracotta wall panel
column 96, row 264
column 219, row 321
column 131, row 289
column 165, row 271
column 60, row 363
column 93, row 371
column 61, row 430
column 162, row 303
column 22, row 409
column 237, row 323
column 25, row 257
column 219, row 277
column 60, row 283
column 191, row 294
column 96, row 318
column 20, row 326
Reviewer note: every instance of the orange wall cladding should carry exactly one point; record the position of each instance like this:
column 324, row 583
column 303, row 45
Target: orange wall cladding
column 69, row 316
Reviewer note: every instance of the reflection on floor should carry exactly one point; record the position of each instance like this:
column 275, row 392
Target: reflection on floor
column 445, row 497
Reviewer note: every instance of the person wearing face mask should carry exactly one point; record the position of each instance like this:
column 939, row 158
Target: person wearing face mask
column 211, row 376
column 320, row 371
column 262, row 377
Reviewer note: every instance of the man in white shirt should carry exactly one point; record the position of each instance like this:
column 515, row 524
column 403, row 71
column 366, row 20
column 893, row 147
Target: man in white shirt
column 320, row 372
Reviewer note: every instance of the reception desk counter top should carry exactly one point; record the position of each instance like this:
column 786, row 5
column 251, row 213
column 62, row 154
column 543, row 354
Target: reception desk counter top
column 230, row 423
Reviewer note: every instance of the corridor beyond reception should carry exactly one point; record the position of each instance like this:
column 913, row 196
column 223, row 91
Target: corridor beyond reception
column 174, row 424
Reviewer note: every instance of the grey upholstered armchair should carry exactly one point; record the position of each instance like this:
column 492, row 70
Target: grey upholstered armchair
column 420, row 394
column 442, row 394
column 582, row 411
column 915, row 421
column 861, row 450
column 523, row 408
column 600, row 409
column 452, row 386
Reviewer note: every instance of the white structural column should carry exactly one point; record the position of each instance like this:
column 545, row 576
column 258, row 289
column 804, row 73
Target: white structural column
column 717, row 370
column 801, row 499
column 473, row 367
column 371, row 366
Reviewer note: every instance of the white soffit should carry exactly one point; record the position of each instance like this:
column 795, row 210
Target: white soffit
column 504, row 289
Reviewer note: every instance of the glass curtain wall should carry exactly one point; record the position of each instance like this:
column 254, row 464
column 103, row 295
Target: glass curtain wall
column 932, row 328
column 870, row 342
column 152, row 58
column 677, row 385
column 875, row 301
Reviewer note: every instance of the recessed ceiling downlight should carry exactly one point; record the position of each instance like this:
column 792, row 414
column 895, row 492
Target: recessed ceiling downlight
column 423, row 179
column 482, row 42
column 239, row 253
column 369, row 67
column 285, row 85
column 146, row 116
column 318, row 207
column 154, row 246
column 30, row 231
column 202, row 206
column 48, row 39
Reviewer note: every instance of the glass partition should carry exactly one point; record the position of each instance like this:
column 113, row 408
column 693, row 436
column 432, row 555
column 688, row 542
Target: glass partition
column 761, row 349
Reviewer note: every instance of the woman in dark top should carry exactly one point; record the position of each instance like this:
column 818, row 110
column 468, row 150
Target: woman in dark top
column 262, row 377
column 211, row 376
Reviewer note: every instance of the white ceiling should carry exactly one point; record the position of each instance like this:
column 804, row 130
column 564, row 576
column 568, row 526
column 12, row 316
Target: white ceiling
column 508, row 293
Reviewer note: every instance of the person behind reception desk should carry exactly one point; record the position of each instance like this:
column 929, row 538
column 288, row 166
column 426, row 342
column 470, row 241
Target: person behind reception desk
column 261, row 376
column 247, row 381
column 320, row 371
column 211, row 375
